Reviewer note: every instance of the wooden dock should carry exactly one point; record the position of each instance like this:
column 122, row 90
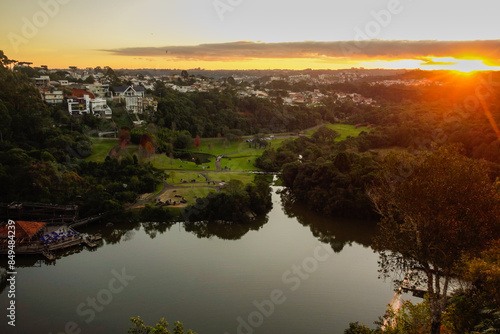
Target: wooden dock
column 89, row 243
column 49, row 255
column 91, row 240
column 48, row 250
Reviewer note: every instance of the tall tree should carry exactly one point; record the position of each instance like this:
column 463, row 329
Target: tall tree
column 184, row 74
column 434, row 209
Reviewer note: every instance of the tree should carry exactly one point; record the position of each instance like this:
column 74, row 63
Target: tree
column 231, row 81
column 161, row 327
column 484, row 272
column 5, row 61
column 146, row 146
column 183, row 140
column 325, row 134
column 435, row 209
column 184, row 74
column 356, row 328
column 90, row 79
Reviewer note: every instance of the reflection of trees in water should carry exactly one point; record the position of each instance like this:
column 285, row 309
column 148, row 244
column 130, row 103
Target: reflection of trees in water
column 152, row 229
column 127, row 230
column 122, row 232
column 113, row 234
column 224, row 230
column 337, row 232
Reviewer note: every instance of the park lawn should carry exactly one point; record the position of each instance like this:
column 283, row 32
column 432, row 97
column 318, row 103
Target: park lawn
column 159, row 188
column 189, row 194
column 345, row 130
column 101, row 148
column 245, row 163
column 161, row 161
column 179, row 176
column 219, row 146
column 243, row 177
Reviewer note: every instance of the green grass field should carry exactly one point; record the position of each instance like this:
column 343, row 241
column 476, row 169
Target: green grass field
column 102, row 146
column 243, row 177
column 179, row 176
column 176, row 177
column 189, row 193
column 345, row 130
column 238, row 156
column 161, row 161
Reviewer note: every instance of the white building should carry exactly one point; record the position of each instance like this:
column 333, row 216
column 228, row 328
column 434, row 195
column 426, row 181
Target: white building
column 132, row 96
column 86, row 105
column 100, row 108
column 79, row 106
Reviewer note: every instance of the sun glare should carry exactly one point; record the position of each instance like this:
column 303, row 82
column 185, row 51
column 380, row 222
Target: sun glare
column 465, row 66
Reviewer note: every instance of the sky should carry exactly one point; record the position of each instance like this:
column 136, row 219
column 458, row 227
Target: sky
column 253, row 34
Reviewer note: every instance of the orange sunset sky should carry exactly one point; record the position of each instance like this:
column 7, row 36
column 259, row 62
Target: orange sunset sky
column 253, row 34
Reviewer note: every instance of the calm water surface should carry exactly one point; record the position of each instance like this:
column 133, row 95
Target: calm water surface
column 293, row 272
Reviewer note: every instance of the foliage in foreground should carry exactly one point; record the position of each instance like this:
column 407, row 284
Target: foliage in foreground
column 442, row 207
column 161, row 327
column 464, row 314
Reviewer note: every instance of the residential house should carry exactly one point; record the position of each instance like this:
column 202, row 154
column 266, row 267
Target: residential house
column 42, row 82
column 101, row 91
column 84, row 102
column 53, row 97
column 100, row 108
column 78, row 106
column 132, row 96
column 149, row 104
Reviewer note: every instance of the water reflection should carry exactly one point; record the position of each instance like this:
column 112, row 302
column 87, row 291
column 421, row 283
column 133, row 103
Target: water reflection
column 224, row 230
column 337, row 232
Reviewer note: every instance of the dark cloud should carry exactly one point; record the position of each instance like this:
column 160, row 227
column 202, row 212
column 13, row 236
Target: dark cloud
column 364, row 49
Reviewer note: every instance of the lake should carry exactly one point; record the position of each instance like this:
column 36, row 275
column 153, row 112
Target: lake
column 293, row 272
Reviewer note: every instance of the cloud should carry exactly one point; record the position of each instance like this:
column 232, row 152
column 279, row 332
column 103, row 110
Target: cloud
column 487, row 50
column 428, row 61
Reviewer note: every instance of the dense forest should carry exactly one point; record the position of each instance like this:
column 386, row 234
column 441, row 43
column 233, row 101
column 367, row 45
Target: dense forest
column 208, row 114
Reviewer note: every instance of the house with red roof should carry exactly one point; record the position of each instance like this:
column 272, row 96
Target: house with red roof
column 24, row 232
